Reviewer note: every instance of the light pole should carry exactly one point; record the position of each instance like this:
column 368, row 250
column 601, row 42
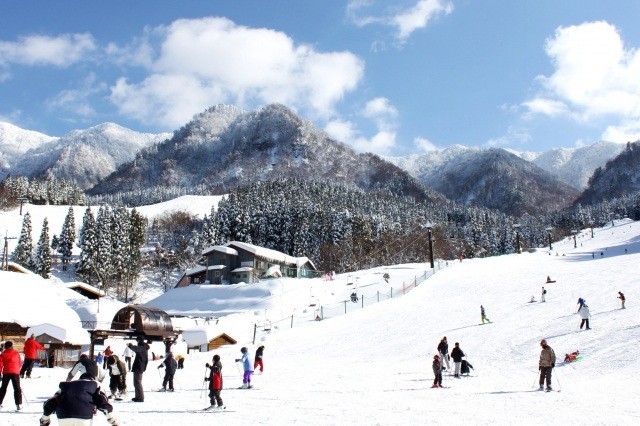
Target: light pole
column 516, row 226
column 22, row 200
column 549, row 229
column 574, row 232
column 429, row 227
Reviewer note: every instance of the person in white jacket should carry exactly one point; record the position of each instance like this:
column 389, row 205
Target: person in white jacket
column 584, row 314
column 128, row 356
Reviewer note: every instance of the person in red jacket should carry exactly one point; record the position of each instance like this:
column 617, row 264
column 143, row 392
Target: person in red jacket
column 31, row 348
column 10, row 360
column 215, row 384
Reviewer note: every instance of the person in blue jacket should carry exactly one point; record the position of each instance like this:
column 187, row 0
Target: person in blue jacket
column 246, row 365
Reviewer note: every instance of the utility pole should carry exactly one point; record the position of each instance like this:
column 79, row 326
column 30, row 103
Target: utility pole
column 5, row 252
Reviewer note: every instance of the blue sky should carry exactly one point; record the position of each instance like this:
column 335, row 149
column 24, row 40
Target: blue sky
column 389, row 77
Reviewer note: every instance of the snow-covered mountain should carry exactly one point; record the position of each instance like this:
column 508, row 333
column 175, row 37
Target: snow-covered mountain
column 14, row 142
column 225, row 147
column 85, row 156
column 574, row 166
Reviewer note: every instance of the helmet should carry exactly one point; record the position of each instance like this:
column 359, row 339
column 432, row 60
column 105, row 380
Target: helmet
column 243, row 350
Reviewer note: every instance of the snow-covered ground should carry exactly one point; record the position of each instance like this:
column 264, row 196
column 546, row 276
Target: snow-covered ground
column 373, row 365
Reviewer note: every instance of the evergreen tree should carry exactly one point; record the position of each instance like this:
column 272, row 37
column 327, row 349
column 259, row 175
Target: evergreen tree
column 67, row 238
column 43, row 252
column 88, row 244
column 103, row 265
column 23, row 253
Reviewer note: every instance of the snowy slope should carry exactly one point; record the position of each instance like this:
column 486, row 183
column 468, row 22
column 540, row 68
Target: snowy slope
column 15, row 141
column 373, row 366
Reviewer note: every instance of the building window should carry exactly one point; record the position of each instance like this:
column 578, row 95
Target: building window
column 216, row 273
column 196, row 280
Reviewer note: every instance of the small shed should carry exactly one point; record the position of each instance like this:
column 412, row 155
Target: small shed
column 14, row 332
column 62, row 346
column 221, row 340
column 88, row 291
column 144, row 320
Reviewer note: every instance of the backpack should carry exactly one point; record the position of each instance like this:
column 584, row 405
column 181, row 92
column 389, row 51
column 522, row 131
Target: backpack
column 544, row 292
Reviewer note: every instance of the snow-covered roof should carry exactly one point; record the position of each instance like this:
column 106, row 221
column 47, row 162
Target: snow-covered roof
column 85, row 286
column 197, row 336
column 270, row 254
column 74, row 335
column 216, row 267
column 243, row 269
column 12, row 266
column 222, row 249
column 196, row 270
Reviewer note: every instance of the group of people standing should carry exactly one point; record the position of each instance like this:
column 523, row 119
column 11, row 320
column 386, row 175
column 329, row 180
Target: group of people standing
column 443, row 357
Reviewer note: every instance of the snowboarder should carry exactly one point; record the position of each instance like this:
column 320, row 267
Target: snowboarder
column 117, row 377
column 258, row 359
column 621, row 297
column 581, row 302
column 546, row 364
column 86, row 365
column 215, row 383
column 246, row 364
column 171, row 366
column 10, row 363
column 75, row 402
column 180, row 359
column 128, row 356
column 584, row 314
column 139, row 366
column 457, row 355
column 483, row 316
column 31, row 348
column 437, row 371
column 443, row 349
column 544, row 292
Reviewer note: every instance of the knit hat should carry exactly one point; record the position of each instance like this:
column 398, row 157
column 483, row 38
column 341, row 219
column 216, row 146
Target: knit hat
column 436, row 357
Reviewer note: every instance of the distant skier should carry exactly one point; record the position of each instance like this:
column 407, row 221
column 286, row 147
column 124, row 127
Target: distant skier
column 117, row 377
column 257, row 362
column 10, row 363
column 75, row 403
column 621, row 297
column 246, row 364
column 171, row 366
column 128, row 356
column 542, row 296
column 533, row 299
column 215, row 383
column 31, row 348
column 483, row 316
column 546, row 364
column 180, row 359
column 100, row 359
column 584, row 314
column 437, row 371
column 354, row 297
column 443, row 349
column 107, row 353
column 581, row 303
column 457, row 355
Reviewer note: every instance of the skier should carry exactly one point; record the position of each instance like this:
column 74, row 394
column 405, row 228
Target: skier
column 86, row 365
column 437, row 371
column 128, row 356
column 100, row 358
column 31, row 348
column 581, row 302
column 483, row 316
column 543, row 294
column 354, row 297
column 215, row 384
column 546, row 364
column 621, row 297
column 75, row 402
column 117, row 377
column 107, row 353
column 258, row 359
column 584, row 314
column 180, row 359
column 171, row 366
column 10, row 368
column 246, row 364
column 139, row 366
column 443, row 349
column 457, row 355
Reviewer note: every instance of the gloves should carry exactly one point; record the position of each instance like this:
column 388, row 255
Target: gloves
column 237, row 360
column 539, row 368
column 207, row 365
column 553, row 366
column 113, row 420
column 45, row 421
column 206, row 378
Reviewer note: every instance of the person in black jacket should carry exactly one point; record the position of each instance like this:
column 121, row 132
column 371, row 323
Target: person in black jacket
column 77, row 400
column 86, row 365
column 443, row 349
column 171, row 366
column 257, row 361
column 457, row 355
column 139, row 366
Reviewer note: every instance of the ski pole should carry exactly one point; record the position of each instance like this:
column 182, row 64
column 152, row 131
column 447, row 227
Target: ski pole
column 535, row 380
column 558, row 380
column 204, row 384
column 24, row 396
column 177, row 381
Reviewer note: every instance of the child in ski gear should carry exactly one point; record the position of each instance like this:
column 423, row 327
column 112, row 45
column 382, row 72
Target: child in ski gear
column 86, row 365
column 437, row 371
column 171, row 366
column 257, row 362
column 75, row 403
column 31, row 348
column 584, row 314
column 457, row 355
column 180, row 359
column 543, row 294
column 621, row 297
column 546, row 364
column 443, row 350
column 100, row 358
column 139, row 367
column 465, row 366
column 117, row 376
column 571, row 357
column 483, row 316
column 10, row 363
column 215, row 382
column 246, row 364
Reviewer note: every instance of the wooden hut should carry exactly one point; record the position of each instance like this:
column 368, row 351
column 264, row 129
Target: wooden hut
column 220, row 340
column 14, row 332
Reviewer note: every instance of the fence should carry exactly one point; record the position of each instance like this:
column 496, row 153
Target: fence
column 321, row 312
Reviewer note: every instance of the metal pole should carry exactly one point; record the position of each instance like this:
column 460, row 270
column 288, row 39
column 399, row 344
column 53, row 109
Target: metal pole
column 430, row 247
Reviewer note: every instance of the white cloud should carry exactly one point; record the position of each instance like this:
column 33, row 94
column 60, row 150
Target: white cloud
column 59, row 51
column 78, row 101
column 596, row 78
column 405, row 22
column 627, row 131
column 206, row 61
column 425, row 144
column 516, row 136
